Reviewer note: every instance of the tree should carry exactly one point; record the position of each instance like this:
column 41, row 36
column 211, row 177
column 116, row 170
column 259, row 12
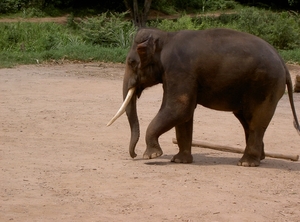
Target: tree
column 139, row 11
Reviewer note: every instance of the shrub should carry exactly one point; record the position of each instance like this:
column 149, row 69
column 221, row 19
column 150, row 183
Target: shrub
column 204, row 5
column 279, row 29
column 184, row 22
column 35, row 37
column 33, row 12
column 217, row 5
column 285, row 32
column 164, row 6
column 11, row 6
column 292, row 56
column 282, row 30
column 107, row 30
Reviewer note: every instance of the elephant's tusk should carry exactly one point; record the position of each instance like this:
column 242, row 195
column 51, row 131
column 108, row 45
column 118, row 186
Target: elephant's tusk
column 123, row 107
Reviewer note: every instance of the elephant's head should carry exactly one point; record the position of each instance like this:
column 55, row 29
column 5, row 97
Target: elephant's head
column 143, row 69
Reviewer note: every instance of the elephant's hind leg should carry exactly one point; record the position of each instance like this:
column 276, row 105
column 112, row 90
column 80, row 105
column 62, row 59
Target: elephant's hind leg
column 184, row 134
column 243, row 121
column 254, row 148
column 255, row 124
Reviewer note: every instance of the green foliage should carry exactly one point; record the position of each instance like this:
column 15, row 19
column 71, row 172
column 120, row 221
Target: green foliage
column 25, row 42
column 107, row 37
column 285, row 32
column 81, row 52
column 33, row 12
column 282, row 30
column 36, row 37
column 217, row 5
column 184, row 22
column 33, row 37
column 11, row 6
column 204, row 5
column 32, row 8
column 85, row 52
column 293, row 2
column 164, row 6
column 187, row 22
column 292, row 56
column 11, row 59
column 279, row 29
column 107, row 30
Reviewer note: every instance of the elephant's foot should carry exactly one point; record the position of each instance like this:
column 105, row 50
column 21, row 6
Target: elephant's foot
column 182, row 158
column 152, row 153
column 248, row 161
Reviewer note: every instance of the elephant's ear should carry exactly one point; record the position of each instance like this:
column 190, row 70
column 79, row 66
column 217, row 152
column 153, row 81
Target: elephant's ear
column 146, row 51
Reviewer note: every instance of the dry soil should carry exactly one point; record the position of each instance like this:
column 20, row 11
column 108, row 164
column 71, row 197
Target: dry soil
column 59, row 161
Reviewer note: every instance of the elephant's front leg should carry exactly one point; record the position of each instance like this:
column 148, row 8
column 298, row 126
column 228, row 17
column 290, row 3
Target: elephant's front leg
column 184, row 135
column 174, row 112
column 162, row 122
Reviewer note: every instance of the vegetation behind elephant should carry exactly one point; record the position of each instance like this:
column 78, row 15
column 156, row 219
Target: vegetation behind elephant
column 220, row 69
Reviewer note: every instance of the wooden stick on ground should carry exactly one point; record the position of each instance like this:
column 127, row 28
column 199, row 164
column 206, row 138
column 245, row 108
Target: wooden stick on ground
column 238, row 150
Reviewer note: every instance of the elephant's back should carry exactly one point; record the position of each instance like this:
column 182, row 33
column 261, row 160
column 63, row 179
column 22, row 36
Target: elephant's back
column 220, row 49
column 227, row 65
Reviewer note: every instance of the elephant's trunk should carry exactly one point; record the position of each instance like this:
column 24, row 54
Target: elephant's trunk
column 129, row 84
column 129, row 106
column 133, row 122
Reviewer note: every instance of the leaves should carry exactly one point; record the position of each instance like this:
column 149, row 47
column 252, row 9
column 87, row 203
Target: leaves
column 279, row 29
column 108, row 29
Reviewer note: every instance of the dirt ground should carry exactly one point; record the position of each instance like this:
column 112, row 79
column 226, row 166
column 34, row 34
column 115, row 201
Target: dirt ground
column 59, row 161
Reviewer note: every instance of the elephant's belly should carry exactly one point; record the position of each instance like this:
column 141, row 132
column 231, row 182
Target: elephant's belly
column 221, row 102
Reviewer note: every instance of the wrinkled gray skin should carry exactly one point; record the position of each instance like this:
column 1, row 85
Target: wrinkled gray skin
column 218, row 68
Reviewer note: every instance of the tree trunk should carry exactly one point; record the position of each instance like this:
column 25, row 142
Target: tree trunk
column 138, row 14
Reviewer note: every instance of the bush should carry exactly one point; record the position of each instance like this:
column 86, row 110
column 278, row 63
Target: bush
column 217, row 5
column 11, row 6
column 25, row 42
column 285, row 32
column 107, row 30
column 34, row 37
column 204, row 5
column 282, row 30
column 164, row 6
column 185, row 22
column 292, row 56
column 279, row 29
column 33, row 12
column 107, row 37
column 85, row 52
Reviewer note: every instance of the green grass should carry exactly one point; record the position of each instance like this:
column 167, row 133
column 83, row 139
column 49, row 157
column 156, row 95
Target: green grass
column 107, row 37
column 291, row 56
column 11, row 59
column 27, row 43
column 86, row 53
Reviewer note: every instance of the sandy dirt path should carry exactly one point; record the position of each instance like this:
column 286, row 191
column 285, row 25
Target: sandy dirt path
column 59, row 161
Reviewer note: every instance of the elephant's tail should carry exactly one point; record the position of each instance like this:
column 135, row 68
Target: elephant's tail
column 290, row 94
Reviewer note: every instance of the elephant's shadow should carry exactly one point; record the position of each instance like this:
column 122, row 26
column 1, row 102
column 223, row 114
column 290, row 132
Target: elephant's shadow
column 203, row 159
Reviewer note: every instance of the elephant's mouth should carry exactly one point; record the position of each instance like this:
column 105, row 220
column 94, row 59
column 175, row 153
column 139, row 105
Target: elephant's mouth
column 122, row 109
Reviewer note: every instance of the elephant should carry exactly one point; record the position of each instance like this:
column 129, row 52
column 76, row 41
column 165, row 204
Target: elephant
column 221, row 69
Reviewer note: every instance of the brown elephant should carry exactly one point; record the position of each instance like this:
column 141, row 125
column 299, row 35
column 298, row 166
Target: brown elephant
column 220, row 69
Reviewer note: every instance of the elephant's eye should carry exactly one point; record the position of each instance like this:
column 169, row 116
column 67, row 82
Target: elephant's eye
column 133, row 63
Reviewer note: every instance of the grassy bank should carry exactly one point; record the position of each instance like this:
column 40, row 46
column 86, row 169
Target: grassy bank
column 107, row 37
column 85, row 52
